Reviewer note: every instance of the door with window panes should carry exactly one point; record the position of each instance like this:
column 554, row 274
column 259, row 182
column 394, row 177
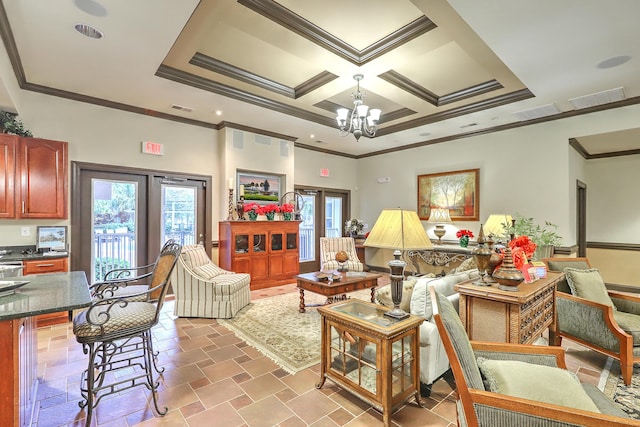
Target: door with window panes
column 324, row 214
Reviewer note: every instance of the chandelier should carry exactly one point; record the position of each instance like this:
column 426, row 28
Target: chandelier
column 356, row 121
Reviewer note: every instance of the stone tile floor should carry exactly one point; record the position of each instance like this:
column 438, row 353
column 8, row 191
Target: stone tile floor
column 212, row 378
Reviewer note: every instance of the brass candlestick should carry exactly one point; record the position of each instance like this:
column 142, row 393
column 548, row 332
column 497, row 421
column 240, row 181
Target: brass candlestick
column 240, row 208
column 230, row 216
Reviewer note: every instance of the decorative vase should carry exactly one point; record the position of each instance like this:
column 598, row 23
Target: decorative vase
column 507, row 275
column 270, row 216
column 253, row 215
column 464, row 241
column 287, row 216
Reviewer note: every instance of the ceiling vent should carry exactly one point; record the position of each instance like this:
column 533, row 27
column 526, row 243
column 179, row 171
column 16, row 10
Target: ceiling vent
column 600, row 98
column 536, row 113
column 181, row 108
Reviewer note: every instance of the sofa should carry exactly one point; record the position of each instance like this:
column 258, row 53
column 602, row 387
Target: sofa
column 202, row 289
column 415, row 300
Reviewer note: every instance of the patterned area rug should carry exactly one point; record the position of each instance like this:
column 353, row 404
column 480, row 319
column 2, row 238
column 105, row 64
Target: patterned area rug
column 627, row 397
column 275, row 327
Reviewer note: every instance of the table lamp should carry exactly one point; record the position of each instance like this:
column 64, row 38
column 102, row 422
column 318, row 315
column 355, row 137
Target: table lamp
column 440, row 217
column 496, row 227
column 400, row 230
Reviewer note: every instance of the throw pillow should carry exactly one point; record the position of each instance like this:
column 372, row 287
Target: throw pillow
column 535, row 382
column 383, row 294
column 421, row 301
column 556, row 265
column 588, row 284
column 467, row 264
column 208, row 271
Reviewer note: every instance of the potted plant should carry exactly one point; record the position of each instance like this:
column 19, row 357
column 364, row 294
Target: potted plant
column 544, row 236
column 10, row 124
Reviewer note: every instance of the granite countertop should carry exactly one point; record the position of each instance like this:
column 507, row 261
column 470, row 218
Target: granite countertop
column 46, row 293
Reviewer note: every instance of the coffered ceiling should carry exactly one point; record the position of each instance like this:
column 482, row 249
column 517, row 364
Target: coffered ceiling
column 437, row 69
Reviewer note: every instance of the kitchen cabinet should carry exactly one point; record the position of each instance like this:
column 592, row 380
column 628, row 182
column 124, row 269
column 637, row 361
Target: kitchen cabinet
column 34, row 179
column 18, row 352
column 267, row 250
column 48, row 265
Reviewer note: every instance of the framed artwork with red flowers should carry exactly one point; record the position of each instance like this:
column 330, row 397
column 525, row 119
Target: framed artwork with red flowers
column 457, row 191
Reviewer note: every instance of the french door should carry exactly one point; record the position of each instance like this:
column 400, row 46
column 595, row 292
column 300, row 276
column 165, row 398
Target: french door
column 324, row 213
column 121, row 217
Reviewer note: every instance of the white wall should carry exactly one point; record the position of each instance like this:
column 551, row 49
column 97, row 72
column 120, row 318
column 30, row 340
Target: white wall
column 613, row 199
column 531, row 170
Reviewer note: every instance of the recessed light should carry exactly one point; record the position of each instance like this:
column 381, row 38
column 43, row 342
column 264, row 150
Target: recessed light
column 89, row 31
column 218, row 112
column 614, row 61
column 91, row 7
column 312, row 136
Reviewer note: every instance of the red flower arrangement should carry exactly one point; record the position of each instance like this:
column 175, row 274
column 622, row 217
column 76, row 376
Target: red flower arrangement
column 462, row 233
column 272, row 208
column 286, row 208
column 254, row 207
column 525, row 243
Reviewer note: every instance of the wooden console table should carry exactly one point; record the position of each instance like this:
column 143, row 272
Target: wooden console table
column 491, row 314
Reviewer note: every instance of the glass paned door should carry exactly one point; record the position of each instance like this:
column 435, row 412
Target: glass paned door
column 333, row 216
column 114, row 226
column 308, row 229
column 179, row 212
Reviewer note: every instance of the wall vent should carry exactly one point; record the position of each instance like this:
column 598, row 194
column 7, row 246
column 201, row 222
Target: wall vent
column 536, row 113
column 181, row 108
column 600, row 98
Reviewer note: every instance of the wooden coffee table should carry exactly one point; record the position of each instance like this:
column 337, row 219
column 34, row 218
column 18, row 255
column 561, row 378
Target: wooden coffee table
column 309, row 282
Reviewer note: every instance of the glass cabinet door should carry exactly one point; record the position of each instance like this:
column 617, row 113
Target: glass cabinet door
column 259, row 242
column 402, row 365
column 292, row 241
column 241, row 243
column 276, row 242
column 354, row 357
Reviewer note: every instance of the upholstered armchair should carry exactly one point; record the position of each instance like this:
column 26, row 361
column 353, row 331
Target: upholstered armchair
column 329, row 246
column 202, row 289
column 603, row 320
column 504, row 385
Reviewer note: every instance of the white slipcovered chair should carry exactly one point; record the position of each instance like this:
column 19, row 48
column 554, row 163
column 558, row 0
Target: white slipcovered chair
column 202, row 289
column 329, row 246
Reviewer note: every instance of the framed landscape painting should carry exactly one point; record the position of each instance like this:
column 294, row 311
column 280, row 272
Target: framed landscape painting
column 457, row 191
column 259, row 187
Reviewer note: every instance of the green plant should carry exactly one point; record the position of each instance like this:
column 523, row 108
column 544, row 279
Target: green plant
column 104, row 265
column 10, row 124
column 541, row 235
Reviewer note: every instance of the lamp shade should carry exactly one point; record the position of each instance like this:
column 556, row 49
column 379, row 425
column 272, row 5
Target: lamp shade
column 398, row 229
column 495, row 225
column 440, row 216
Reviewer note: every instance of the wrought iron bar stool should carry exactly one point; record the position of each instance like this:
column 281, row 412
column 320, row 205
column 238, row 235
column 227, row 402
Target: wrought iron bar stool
column 115, row 331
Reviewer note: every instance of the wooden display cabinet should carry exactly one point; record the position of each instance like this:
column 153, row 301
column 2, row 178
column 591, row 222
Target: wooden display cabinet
column 267, row 250
column 48, row 265
column 34, row 175
column 372, row 356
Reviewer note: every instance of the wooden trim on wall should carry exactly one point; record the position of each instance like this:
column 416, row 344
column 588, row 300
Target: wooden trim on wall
column 613, row 246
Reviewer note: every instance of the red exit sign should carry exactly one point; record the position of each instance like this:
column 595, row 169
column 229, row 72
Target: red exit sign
column 154, row 148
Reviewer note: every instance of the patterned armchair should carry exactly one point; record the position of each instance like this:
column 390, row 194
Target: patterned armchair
column 503, row 385
column 603, row 320
column 202, row 289
column 329, row 246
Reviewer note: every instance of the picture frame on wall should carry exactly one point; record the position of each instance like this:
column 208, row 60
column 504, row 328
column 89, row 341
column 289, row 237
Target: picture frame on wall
column 259, row 187
column 457, row 191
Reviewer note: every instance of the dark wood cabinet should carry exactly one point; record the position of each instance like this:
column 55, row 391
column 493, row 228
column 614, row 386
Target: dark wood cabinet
column 34, row 178
column 48, row 265
column 267, row 250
